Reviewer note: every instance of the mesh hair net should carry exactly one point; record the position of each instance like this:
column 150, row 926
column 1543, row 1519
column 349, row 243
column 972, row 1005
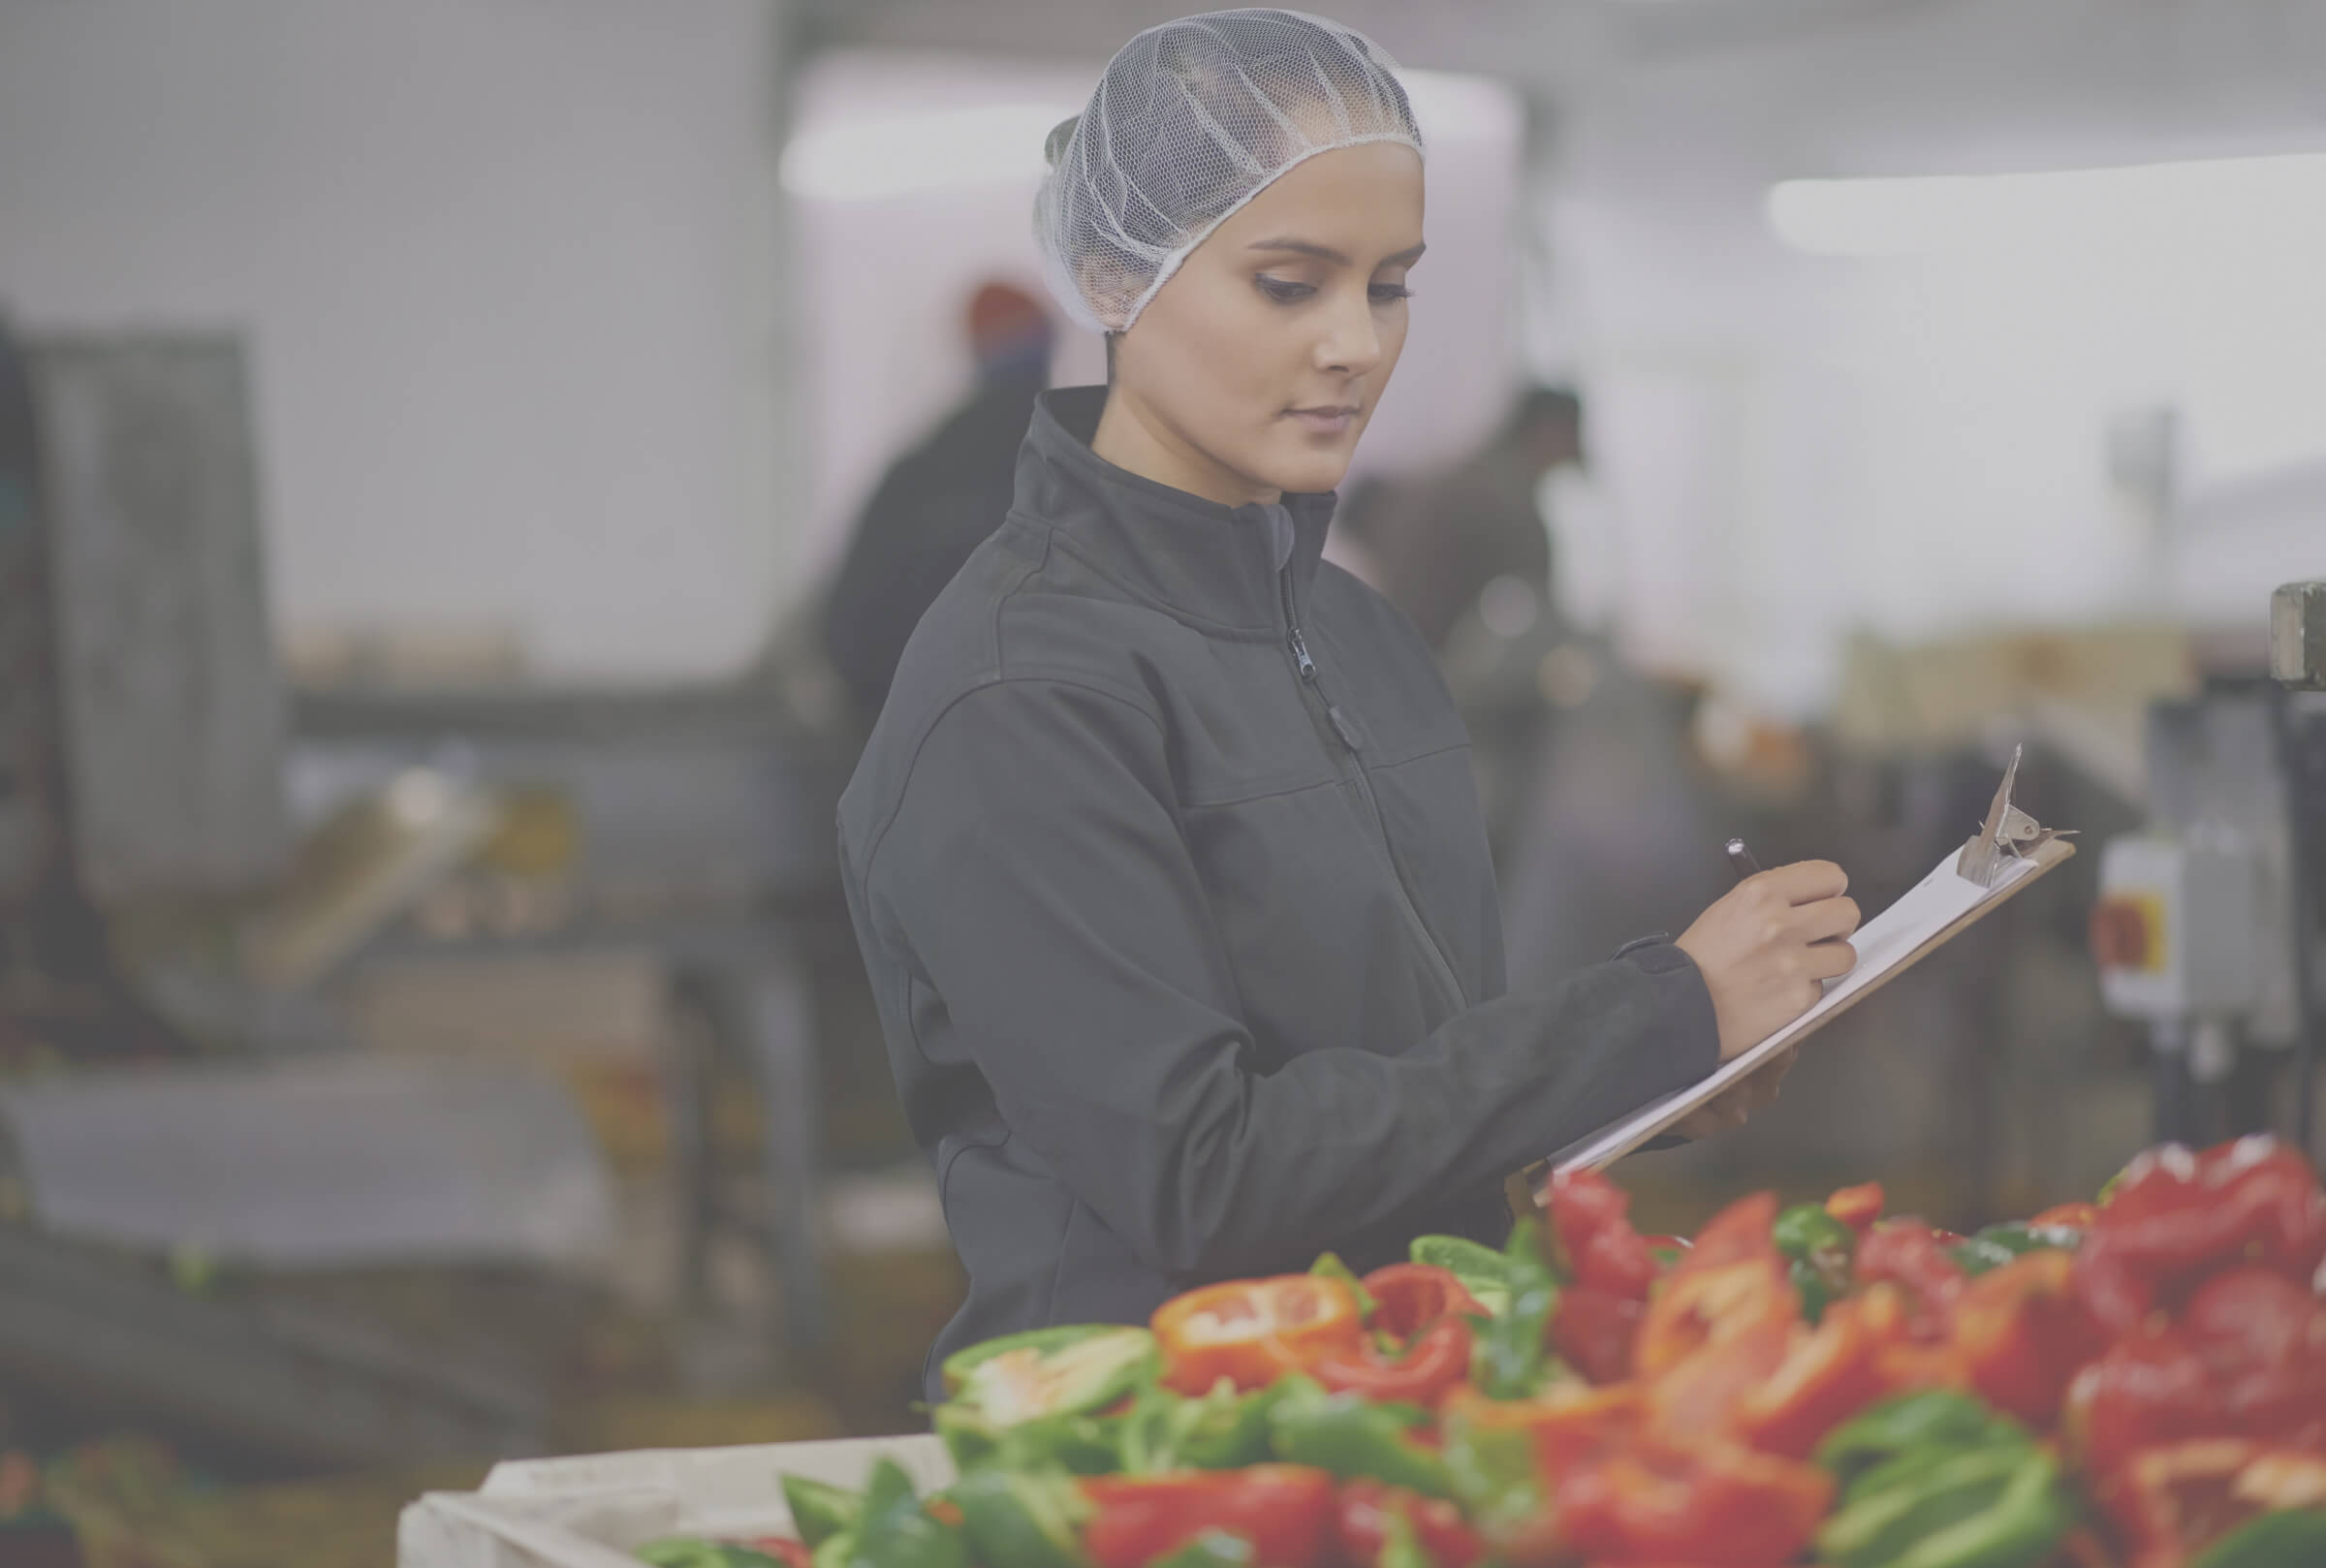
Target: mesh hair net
column 1191, row 121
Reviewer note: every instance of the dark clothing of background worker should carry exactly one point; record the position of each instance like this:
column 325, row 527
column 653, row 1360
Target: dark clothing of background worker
column 939, row 501
column 1436, row 542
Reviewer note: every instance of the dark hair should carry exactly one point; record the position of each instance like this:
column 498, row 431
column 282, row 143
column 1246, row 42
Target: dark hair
column 1111, row 337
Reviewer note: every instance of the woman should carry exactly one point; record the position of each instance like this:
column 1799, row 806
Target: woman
column 1165, row 855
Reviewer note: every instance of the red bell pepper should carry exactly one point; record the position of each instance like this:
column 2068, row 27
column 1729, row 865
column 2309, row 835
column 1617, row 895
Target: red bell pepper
column 1696, row 1309
column 1436, row 1362
column 1907, row 1253
column 1592, row 1331
column 1857, row 1208
column 1570, row 1424
column 1908, row 1362
column 1745, row 1230
column 2248, row 1360
column 2177, row 1218
column 2264, row 1340
column 1361, row 1519
column 2168, row 1504
column 1829, row 1373
column 1409, row 1297
column 1705, row 1395
column 1285, row 1511
column 2023, row 1334
column 1717, row 1504
column 1589, row 1215
column 784, row 1550
column 1252, row 1331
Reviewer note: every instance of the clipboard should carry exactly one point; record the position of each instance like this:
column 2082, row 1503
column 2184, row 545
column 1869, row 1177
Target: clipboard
column 2009, row 854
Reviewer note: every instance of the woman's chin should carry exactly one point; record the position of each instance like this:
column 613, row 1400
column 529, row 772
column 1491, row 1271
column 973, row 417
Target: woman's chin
column 1308, row 473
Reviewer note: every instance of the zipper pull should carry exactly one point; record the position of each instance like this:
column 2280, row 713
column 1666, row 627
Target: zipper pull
column 1299, row 655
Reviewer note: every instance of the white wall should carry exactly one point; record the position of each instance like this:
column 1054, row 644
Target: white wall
column 1803, row 444
column 503, row 268
column 884, row 280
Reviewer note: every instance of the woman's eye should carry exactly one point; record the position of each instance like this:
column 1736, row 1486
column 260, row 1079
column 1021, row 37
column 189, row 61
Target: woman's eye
column 1283, row 290
column 1384, row 293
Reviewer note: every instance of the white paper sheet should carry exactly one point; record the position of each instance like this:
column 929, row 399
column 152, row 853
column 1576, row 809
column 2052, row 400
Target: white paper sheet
column 1885, row 943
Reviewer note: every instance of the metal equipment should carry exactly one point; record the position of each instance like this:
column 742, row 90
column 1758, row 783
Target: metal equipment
column 2206, row 923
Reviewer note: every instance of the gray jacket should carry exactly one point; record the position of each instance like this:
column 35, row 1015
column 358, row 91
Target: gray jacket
column 1168, row 872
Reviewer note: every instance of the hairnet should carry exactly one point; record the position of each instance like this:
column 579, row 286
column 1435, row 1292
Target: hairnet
column 1191, row 121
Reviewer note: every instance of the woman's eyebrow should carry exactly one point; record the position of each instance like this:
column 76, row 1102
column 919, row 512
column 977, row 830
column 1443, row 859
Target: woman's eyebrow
column 1326, row 253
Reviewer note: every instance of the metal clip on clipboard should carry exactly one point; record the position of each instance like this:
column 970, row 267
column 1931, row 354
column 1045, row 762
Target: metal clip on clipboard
column 2007, row 832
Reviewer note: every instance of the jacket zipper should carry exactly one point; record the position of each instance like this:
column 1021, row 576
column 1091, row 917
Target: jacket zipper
column 1440, row 969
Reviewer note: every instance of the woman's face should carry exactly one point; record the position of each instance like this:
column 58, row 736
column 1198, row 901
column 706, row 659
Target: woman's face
column 1255, row 369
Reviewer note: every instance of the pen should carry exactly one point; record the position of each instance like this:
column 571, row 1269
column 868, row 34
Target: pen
column 1741, row 858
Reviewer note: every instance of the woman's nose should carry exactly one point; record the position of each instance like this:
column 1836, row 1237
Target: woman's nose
column 1352, row 341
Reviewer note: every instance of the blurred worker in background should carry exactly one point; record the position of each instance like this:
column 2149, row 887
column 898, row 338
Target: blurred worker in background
column 1434, row 544
column 938, row 501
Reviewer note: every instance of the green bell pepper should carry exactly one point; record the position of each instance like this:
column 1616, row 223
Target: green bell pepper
column 1072, row 1369
column 1820, row 1248
column 1212, row 1548
column 1353, row 1436
column 1087, row 1445
column 2295, row 1539
column 1508, row 1355
column 1935, row 1419
column 1400, row 1545
column 1998, row 1245
column 1025, row 1520
column 895, row 1531
column 1219, row 1430
column 1330, row 1267
column 820, row 1511
column 1998, row 1507
column 1807, row 1228
column 1483, row 1272
column 1496, row 1479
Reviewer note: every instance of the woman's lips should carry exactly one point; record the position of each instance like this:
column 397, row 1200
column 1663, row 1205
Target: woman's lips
column 1323, row 421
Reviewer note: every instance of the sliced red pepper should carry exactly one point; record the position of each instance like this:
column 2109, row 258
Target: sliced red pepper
column 1361, row 1519
column 1719, row 1504
column 1829, row 1373
column 1908, row 1363
column 1422, row 1373
column 1909, row 1254
column 1252, row 1331
column 1698, row 1306
column 2248, row 1360
column 1590, row 1215
column 1745, row 1230
column 2023, row 1334
column 1409, row 1297
column 2177, row 1218
column 1592, row 1331
column 1285, row 1511
column 1857, row 1208
column 1705, row 1395
column 1569, row 1424
column 784, row 1550
column 2167, row 1504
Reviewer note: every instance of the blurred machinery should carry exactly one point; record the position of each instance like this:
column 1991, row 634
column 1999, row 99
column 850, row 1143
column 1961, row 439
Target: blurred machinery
column 157, row 900
column 2207, row 923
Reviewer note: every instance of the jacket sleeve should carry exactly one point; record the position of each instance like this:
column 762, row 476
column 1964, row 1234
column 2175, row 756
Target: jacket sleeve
column 1034, row 877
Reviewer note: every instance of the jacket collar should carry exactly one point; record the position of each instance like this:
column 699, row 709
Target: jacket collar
column 1209, row 564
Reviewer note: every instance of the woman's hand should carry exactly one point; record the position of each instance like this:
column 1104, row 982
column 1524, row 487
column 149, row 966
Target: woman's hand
column 1764, row 947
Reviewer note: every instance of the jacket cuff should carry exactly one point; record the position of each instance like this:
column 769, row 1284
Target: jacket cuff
column 1687, row 1033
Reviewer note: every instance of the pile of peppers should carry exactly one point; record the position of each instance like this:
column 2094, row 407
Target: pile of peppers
column 2134, row 1383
